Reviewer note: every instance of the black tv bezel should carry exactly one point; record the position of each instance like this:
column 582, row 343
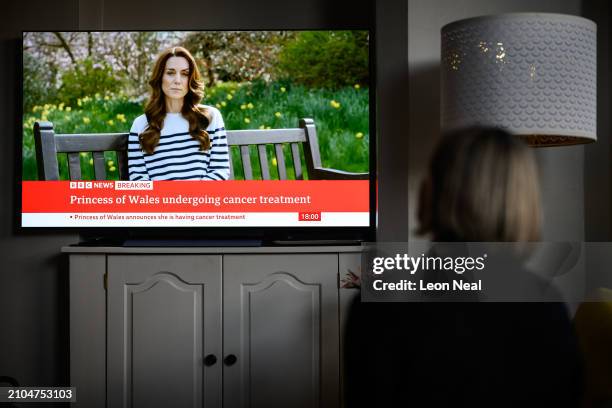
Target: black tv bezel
column 117, row 235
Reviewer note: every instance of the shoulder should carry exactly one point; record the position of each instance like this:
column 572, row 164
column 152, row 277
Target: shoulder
column 214, row 113
column 139, row 124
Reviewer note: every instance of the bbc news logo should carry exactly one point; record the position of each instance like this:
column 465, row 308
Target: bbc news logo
column 80, row 185
column 110, row 184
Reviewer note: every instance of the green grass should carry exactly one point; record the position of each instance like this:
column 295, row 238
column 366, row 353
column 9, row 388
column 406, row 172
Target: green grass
column 341, row 117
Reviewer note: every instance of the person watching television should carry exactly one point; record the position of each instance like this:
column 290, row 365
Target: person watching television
column 481, row 186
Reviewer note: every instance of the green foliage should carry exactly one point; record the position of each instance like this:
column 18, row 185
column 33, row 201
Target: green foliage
column 88, row 78
column 326, row 59
column 38, row 82
column 341, row 117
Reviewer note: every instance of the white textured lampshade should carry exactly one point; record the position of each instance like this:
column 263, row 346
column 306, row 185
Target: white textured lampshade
column 532, row 74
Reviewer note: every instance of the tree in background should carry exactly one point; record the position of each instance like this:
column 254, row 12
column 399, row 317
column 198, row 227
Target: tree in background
column 108, row 62
column 326, row 59
column 88, row 78
column 237, row 55
column 52, row 60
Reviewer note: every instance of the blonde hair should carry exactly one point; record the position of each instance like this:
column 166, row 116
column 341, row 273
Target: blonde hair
column 482, row 186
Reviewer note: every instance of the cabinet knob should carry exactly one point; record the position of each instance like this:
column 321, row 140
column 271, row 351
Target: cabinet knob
column 230, row 360
column 210, row 360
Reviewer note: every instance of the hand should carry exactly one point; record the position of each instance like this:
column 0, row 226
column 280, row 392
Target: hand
column 351, row 280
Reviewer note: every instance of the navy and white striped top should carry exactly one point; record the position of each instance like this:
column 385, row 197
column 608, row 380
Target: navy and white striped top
column 178, row 155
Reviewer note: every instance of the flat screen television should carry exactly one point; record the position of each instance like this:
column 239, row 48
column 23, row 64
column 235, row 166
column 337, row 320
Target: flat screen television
column 264, row 135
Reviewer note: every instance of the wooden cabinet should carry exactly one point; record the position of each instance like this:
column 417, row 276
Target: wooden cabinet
column 280, row 317
column 164, row 317
column 207, row 327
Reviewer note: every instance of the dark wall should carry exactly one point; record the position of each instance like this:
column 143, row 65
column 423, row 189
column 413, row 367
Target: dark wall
column 597, row 170
column 33, row 284
column 33, row 308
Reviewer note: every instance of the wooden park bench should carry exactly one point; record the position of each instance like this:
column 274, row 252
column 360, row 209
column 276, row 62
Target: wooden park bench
column 49, row 144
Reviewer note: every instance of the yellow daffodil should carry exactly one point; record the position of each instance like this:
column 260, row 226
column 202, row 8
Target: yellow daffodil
column 274, row 162
column 334, row 104
column 61, row 106
column 110, row 163
column 243, row 106
column 112, row 168
column 229, row 97
column 97, row 95
column 35, row 108
column 106, row 97
column 121, row 117
column 250, row 105
column 247, row 120
column 359, row 135
column 278, row 114
column 357, row 86
column 283, row 89
column 68, row 108
column 90, row 161
column 268, row 127
column 79, row 102
column 111, row 122
column 86, row 120
column 262, row 127
column 217, row 105
column 83, row 154
column 223, row 103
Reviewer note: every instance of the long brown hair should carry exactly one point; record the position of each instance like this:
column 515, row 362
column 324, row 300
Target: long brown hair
column 482, row 186
column 199, row 118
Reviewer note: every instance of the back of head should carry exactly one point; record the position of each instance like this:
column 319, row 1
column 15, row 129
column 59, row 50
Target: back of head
column 482, row 186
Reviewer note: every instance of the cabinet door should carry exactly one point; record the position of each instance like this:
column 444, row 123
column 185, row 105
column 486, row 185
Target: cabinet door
column 164, row 317
column 281, row 323
column 88, row 329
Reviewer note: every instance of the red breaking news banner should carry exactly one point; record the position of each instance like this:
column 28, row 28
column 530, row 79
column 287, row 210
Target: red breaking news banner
column 312, row 196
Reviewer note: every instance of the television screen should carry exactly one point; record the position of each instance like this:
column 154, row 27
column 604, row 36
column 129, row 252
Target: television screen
column 197, row 129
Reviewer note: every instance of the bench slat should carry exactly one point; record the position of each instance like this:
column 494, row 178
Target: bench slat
column 270, row 136
column 122, row 162
column 263, row 162
column 231, row 163
column 246, row 162
column 98, row 162
column 74, row 166
column 280, row 161
column 297, row 162
column 91, row 143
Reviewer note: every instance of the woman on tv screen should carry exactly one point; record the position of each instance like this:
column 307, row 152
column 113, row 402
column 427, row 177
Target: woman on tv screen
column 177, row 138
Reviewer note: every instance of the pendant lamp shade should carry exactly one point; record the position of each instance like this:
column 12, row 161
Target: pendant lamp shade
column 532, row 74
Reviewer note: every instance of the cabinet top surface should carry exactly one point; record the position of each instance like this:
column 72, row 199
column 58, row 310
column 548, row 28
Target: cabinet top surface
column 211, row 250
